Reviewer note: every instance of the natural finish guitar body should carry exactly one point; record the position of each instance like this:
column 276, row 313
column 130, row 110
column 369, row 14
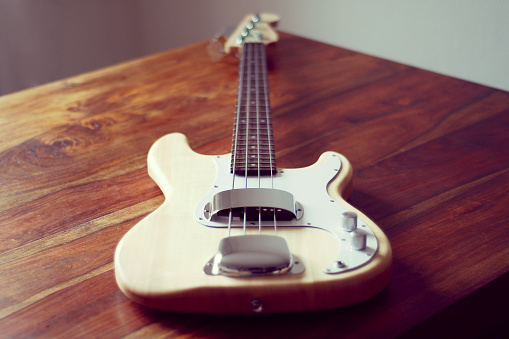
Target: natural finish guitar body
column 159, row 262
column 238, row 235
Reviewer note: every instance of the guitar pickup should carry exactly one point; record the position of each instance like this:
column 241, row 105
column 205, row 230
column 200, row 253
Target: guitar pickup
column 254, row 204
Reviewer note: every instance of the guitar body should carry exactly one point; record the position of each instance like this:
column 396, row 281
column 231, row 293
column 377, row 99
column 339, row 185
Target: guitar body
column 160, row 261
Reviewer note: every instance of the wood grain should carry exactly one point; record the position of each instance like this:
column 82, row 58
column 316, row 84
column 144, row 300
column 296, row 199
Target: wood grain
column 430, row 162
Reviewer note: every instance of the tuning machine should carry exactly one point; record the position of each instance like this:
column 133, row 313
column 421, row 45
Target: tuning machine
column 215, row 48
column 230, row 40
column 247, row 30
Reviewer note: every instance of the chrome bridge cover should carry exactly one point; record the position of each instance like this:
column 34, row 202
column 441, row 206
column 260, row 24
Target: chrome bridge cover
column 251, row 255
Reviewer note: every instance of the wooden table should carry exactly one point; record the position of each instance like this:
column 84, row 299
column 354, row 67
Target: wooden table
column 430, row 158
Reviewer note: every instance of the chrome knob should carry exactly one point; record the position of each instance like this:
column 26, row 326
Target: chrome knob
column 349, row 221
column 358, row 239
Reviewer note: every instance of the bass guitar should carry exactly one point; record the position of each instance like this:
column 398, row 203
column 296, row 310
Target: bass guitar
column 236, row 233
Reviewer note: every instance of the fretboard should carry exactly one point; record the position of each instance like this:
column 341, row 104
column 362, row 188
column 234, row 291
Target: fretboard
column 253, row 141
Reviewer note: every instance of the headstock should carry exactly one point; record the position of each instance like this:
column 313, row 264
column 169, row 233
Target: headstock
column 253, row 28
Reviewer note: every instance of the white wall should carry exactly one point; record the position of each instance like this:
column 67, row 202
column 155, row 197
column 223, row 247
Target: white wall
column 45, row 40
column 467, row 39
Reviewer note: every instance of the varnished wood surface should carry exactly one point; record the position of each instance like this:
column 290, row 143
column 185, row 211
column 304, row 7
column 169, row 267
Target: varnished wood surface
column 430, row 162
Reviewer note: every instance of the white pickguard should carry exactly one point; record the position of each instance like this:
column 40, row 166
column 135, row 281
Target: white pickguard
column 309, row 188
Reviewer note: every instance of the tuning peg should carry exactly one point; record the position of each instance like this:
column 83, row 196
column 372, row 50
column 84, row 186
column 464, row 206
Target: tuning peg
column 215, row 48
column 239, row 40
column 251, row 24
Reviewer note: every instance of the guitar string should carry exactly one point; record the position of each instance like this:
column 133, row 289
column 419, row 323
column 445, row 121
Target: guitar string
column 258, row 64
column 268, row 123
column 257, row 86
column 235, row 142
column 250, row 54
column 249, row 59
column 260, row 71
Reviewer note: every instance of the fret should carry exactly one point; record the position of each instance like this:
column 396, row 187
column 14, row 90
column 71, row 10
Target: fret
column 252, row 127
column 253, row 141
column 261, row 136
column 262, row 151
column 254, row 134
column 252, row 103
column 255, row 119
column 255, row 163
column 264, row 155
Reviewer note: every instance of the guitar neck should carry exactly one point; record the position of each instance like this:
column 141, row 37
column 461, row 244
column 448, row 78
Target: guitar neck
column 253, row 140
